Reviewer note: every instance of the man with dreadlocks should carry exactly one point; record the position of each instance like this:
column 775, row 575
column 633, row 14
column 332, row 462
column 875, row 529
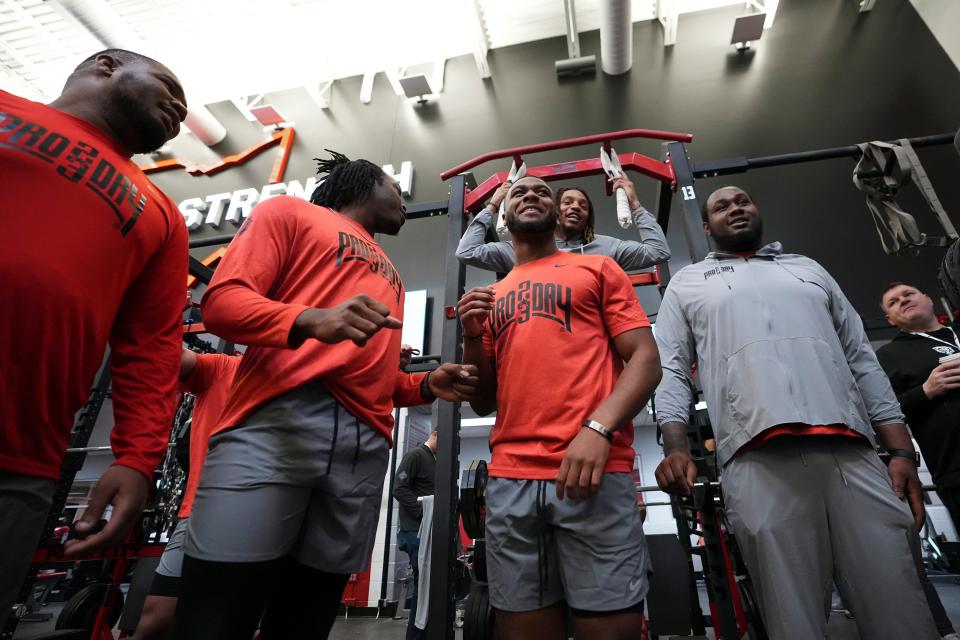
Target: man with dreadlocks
column 288, row 503
column 573, row 233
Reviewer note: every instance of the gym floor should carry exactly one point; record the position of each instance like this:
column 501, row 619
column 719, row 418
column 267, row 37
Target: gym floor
column 840, row 627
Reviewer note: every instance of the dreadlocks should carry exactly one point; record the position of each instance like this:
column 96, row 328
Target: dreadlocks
column 588, row 235
column 347, row 181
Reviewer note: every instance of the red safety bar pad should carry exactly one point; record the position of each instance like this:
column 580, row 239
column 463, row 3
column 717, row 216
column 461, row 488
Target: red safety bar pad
column 656, row 169
column 52, row 575
column 644, row 279
column 196, row 327
column 604, row 138
column 54, row 552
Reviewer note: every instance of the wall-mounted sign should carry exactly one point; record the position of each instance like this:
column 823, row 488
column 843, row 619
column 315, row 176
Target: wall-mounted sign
column 235, row 206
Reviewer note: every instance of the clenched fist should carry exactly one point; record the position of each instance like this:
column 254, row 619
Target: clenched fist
column 357, row 319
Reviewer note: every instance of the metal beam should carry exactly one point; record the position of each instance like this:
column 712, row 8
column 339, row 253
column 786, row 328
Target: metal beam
column 437, row 77
column 481, row 44
column 25, row 65
column 366, row 87
column 668, row 14
column 570, row 21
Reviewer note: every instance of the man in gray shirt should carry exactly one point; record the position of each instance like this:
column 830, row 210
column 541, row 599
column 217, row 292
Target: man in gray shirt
column 573, row 233
column 796, row 398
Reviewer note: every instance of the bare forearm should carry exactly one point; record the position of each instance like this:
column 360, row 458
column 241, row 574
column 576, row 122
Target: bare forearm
column 484, row 400
column 674, row 437
column 632, row 391
column 894, row 436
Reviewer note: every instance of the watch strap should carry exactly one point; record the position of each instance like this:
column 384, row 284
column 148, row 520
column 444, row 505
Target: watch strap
column 599, row 428
column 905, row 453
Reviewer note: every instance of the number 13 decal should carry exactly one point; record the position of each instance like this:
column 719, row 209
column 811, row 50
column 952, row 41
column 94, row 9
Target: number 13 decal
column 688, row 193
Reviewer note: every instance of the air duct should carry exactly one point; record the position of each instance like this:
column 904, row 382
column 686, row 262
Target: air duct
column 204, row 126
column 616, row 37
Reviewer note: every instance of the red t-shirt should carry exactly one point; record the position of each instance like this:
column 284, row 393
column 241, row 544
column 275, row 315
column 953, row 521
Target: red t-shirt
column 91, row 252
column 782, row 430
column 551, row 332
column 210, row 383
column 289, row 256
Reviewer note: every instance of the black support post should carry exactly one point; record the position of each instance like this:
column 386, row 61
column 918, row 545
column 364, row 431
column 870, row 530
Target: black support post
column 447, row 420
column 201, row 271
column 692, row 222
column 664, row 202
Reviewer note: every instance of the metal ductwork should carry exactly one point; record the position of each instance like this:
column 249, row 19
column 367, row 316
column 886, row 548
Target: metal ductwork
column 103, row 23
column 616, row 37
column 204, row 126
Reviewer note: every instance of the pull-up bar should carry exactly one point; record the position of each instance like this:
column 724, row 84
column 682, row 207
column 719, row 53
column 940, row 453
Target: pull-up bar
column 603, row 138
column 712, row 168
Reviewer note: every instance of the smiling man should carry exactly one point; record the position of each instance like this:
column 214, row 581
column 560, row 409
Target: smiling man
column 573, row 233
column 91, row 254
column 795, row 395
column 928, row 390
column 562, row 520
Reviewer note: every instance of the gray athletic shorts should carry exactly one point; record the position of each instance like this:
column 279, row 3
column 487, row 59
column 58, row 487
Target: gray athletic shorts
column 300, row 476
column 171, row 562
column 166, row 578
column 541, row 550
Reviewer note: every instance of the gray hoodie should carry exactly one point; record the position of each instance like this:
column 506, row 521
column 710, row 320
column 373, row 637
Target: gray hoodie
column 775, row 341
column 629, row 254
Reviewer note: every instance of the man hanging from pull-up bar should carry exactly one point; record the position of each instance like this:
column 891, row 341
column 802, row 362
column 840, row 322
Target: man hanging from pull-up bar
column 574, row 233
column 562, row 519
column 795, row 395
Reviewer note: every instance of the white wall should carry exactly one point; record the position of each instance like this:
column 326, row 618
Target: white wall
column 943, row 19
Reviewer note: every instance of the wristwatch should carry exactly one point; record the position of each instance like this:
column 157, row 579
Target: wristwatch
column 599, row 428
column 905, row 453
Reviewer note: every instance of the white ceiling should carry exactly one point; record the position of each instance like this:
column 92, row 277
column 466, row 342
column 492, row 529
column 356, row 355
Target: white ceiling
column 224, row 49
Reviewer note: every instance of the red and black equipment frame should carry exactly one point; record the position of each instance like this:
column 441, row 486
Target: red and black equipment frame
column 676, row 173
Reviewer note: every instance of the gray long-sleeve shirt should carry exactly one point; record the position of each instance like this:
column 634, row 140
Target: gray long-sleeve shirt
column 631, row 255
column 775, row 341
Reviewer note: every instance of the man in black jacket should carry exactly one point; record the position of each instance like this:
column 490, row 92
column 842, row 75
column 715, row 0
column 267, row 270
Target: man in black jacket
column 926, row 387
column 414, row 479
column 927, row 390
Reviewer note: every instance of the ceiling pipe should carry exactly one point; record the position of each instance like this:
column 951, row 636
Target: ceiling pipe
column 616, row 37
column 574, row 64
column 570, row 21
column 113, row 32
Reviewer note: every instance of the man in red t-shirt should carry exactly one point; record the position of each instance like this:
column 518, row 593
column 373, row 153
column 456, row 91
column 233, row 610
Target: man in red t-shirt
column 562, row 520
column 207, row 376
column 91, row 254
column 289, row 500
